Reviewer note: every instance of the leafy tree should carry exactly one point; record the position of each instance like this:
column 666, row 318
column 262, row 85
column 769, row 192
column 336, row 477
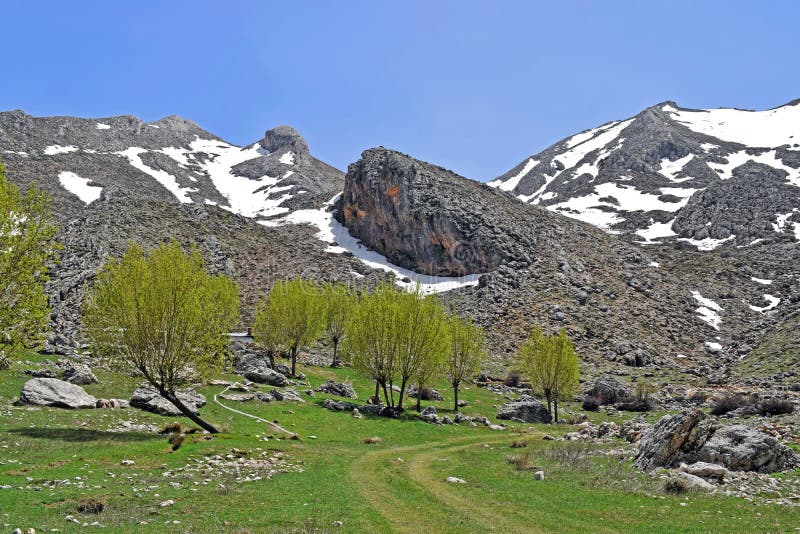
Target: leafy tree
column 551, row 366
column 395, row 336
column 27, row 249
column 339, row 300
column 163, row 317
column 265, row 332
column 369, row 339
column 467, row 352
column 294, row 311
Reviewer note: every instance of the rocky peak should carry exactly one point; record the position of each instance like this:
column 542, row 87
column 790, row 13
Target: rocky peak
column 285, row 138
column 429, row 219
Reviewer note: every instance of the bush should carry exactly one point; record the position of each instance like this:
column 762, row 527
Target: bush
column 591, row 404
column 637, row 405
column 676, row 486
column 774, row 406
column 522, row 462
column 728, row 403
column 518, row 444
column 513, row 379
column 90, row 505
column 372, row 441
column 172, row 428
column 176, row 440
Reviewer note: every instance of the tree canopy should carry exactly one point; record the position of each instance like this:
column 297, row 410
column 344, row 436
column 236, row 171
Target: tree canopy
column 163, row 317
column 338, row 300
column 27, row 249
column 395, row 337
column 551, row 365
column 467, row 352
column 292, row 316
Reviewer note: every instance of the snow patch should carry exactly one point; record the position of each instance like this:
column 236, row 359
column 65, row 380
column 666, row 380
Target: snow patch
column 511, row 183
column 52, row 150
column 133, row 155
column 671, row 168
column 714, row 346
column 772, row 303
column 771, row 128
column 80, row 187
column 708, row 310
column 707, row 243
column 101, row 126
column 288, row 158
column 656, row 230
column 761, row 281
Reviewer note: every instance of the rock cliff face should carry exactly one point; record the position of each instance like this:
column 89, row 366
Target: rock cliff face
column 430, row 220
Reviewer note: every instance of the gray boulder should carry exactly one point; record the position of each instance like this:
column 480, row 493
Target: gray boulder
column 526, row 409
column 287, row 394
column 54, row 392
column 339, row 406
column 692, row 437
column 429, row 415
column 608, row 390
column 265, row 375
column 147, row 398
column 428, row 394
column 340, row 389
column 78, row 373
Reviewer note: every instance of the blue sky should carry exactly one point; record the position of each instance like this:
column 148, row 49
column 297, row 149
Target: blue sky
column 472, row 86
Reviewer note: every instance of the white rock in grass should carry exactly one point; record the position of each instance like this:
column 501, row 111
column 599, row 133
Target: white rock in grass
column 456, row 480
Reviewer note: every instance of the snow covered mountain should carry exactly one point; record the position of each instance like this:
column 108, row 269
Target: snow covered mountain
column 705, row 177
column 78, row 161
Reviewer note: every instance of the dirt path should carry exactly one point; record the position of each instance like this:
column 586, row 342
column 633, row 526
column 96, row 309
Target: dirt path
column 412, row 499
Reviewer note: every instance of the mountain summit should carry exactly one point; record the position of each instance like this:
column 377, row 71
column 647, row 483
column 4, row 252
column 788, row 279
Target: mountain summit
column 705, row 177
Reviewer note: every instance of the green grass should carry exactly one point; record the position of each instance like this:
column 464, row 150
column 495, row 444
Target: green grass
column 397, row 485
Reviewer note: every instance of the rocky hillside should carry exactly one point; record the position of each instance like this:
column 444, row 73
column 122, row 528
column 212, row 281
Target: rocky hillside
column 79, row 161
column 621, row 302
column 706, row 177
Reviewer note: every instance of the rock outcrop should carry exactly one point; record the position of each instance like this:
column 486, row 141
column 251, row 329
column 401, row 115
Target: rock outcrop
column 57, row 393
column 147, row 398
column 527, row 410
column 691, row 437
column 429, row 219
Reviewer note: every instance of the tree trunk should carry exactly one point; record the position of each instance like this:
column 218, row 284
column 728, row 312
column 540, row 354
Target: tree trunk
column 391, row 394
column 385, row 394
column 171, row 397
column 419, row 397
column 271, row 356
column 555, row 408
column 455, row 397
column 335, row 362
column 549, row 402
column 402, row 392
column 377, row 391
column 294, row 361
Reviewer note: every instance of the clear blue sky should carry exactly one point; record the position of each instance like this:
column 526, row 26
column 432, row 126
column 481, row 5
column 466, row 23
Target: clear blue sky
column 472, row 86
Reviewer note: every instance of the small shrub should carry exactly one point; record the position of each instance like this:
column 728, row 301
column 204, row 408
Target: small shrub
column 676, row 486
column 572, row 454
column 176, row 440
column 172, row 428
column 518, row 444
column 371, row 441
column 90, row 505
column 637, row 405
column 5, row 363
column 591, row 404
column 521, row 462
column 774, row 406
column 427, row 394
column 513, row 379
column 728, row 403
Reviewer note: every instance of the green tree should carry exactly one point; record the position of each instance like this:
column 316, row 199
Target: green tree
column 293, row 312
column 467, row 352
column 394, row 336
column 163, row 317
column 338, row 301
column 27, row 250
column 551, row 365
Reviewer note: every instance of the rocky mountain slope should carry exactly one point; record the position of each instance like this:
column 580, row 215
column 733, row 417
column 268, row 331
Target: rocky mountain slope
column 266, row 211
column 706, row 177
column 621, row 302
